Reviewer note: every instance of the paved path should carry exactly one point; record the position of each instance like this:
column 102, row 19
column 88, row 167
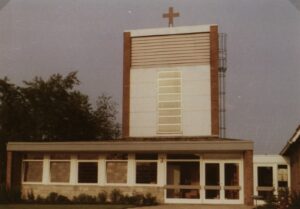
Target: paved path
column 185, row 206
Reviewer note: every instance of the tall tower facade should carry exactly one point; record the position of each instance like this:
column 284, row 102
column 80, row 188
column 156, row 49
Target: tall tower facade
column 170, row 85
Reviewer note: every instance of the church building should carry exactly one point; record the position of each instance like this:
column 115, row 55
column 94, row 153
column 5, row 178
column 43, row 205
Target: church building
column 171, row 146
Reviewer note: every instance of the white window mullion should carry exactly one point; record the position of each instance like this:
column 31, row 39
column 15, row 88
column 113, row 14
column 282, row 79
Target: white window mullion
column 73, row 170
column 46, row 169
column 241, row 181
column 202, row 179
column 101, row 170
column 162, row 170
column 222, row 181
column 131, row 170
column 275, row 178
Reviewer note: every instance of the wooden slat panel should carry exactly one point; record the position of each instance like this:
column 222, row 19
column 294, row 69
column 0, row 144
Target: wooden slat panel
column 171, row 46
column 167, row 37
column 173, row 56
column 164, row 51
column 174, row 50
column 167, row 43
column 174, row 63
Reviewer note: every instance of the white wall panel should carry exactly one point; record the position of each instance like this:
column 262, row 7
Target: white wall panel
column 142, row 104
column 139, row 90
column 196, row 101
column 197, row 123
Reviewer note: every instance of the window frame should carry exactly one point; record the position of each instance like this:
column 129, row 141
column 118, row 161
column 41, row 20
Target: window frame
column 87, row 161
column 23, row 170
column 116, row 160
column 146, row 161
column 59, row 160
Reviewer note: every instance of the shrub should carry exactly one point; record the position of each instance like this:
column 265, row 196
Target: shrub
column 9, row 196
column 116, row 196
column 14, row 195
column 84, row 198
column 3, row 194
column 149, row 200
column 295, row 201
column 30, row 196
column 40, row 199
column 102, row 197
column 137, row 199
column 53, row 197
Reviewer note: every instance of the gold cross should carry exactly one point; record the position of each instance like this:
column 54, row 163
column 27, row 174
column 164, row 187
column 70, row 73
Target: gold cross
column 171, row 16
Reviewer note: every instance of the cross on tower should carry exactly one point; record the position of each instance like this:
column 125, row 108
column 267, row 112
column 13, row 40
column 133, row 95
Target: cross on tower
column 171, row 16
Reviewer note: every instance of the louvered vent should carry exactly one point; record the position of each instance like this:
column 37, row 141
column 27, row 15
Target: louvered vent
column 169, row 102
column 170, row 50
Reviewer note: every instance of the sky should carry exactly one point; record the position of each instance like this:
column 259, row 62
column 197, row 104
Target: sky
column 43, row 37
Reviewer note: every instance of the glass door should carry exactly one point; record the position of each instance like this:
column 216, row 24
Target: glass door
column 183, row 179
column 223, row 182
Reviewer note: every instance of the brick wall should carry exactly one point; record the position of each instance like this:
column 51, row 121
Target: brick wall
column 295, row 167
column 248, row 177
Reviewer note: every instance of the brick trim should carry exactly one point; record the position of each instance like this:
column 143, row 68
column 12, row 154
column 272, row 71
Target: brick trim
column 248, row 177
column 126, row 84
column 214, row 80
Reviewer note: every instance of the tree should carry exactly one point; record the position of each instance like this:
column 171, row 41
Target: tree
column 57, row 111
column 105, row 113
column 53, row 110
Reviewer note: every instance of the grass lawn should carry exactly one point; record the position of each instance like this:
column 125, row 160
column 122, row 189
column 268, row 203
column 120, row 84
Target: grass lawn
column 75, row 206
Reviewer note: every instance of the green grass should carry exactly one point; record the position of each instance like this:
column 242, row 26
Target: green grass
column 75, row 206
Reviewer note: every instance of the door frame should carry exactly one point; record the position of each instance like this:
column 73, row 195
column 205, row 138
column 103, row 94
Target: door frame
column 222, row 199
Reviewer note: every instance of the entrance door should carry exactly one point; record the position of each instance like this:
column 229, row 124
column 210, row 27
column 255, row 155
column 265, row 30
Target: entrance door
column 223, row 182
column 183, row 182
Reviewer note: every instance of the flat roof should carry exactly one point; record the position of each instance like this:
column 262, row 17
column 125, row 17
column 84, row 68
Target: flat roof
column 170, row 30
column 135, row 146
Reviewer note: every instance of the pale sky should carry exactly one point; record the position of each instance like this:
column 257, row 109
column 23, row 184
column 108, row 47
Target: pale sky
column 43, row 37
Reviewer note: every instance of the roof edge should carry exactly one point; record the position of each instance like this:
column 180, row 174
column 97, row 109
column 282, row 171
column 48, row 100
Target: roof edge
column 170, row 30
column 291, row 141
column 132, row 146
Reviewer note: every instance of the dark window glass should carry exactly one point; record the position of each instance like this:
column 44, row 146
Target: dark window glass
column 146, row 156
column 231, row 174
column 183, row 156
column 87, row 172
column 146, row 173
column 212, row 174
column 265, row 176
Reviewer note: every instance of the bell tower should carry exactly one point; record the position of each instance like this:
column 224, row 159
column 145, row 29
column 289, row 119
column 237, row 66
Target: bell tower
column 170, row 86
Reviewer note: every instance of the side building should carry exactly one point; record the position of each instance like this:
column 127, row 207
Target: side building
column 170, row 145
column 292, row 151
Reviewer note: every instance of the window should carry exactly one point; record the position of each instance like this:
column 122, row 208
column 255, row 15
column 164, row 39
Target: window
column 282, row 176
column 88, row 168
column 87, row 172
column 116, row 168
column 59, row 168
column 231, row 181
column 146, row 168
column 183, row 176
column 212, row 181
column 33, row 167
column 265, row 181
column 169, row 102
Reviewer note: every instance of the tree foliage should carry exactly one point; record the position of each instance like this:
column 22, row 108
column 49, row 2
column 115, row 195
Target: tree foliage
column 53, row 110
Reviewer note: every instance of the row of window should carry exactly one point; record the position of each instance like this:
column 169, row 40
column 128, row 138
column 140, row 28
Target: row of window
column 88, row 168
